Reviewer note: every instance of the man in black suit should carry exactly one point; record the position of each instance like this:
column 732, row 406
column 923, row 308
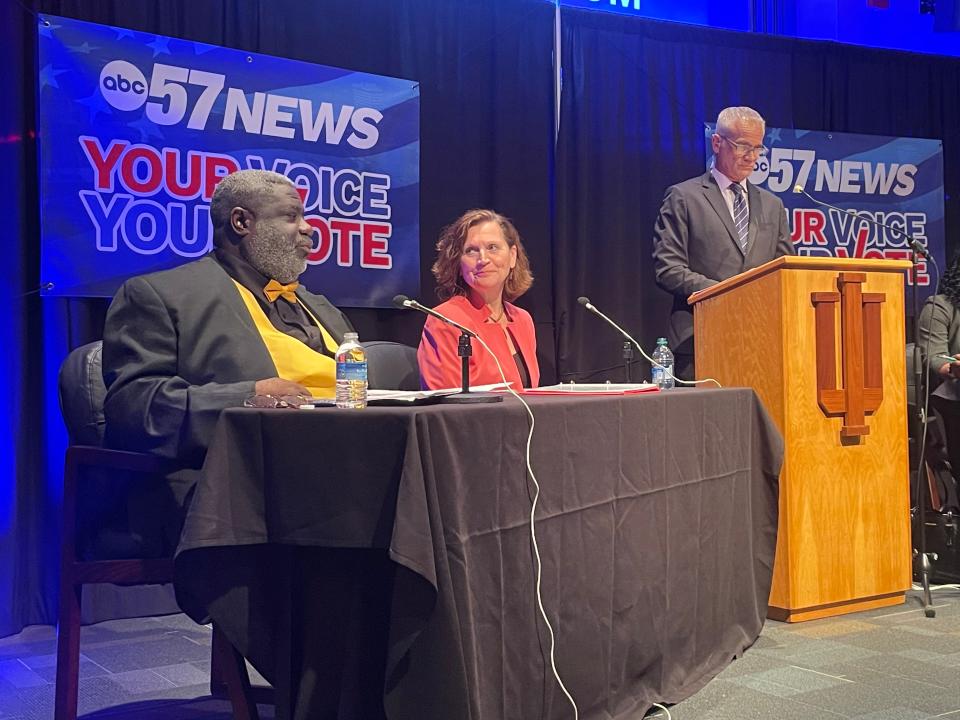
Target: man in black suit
column 181, row 345
column 717, row 225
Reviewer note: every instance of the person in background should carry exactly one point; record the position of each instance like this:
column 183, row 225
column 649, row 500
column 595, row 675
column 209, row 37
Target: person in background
column 939, row 338
column 716, row 225
column 481, row 268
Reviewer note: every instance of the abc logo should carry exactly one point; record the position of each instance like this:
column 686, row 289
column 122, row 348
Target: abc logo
column 760, row 170
column 123, row 85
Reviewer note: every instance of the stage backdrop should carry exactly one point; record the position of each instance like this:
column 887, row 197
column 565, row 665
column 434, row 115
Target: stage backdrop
column 635, row 94
column 137, row 129
column 490, row 131
column 873, row 180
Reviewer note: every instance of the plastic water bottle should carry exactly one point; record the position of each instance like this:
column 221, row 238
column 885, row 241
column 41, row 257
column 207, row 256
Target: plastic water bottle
column 351, row 373
column 662, row 376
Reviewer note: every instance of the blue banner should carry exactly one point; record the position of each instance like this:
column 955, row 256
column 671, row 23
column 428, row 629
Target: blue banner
column 890, row 181
column 136, row 130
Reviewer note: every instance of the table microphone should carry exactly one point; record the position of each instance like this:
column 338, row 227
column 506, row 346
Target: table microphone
column 585, row 301
column 405, row 303
column 464, row 351
column 915, row 245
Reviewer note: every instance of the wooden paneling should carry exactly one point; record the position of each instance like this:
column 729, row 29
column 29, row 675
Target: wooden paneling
column 844, row 535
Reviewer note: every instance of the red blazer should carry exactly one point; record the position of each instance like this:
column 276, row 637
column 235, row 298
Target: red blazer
column 437, row 354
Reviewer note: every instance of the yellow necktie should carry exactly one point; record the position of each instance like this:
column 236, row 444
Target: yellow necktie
column 273, row 290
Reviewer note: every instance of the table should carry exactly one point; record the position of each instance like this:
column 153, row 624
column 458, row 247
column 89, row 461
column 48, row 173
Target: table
column 656, row 524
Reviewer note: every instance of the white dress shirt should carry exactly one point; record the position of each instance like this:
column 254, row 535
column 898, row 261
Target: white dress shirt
column 727, row 191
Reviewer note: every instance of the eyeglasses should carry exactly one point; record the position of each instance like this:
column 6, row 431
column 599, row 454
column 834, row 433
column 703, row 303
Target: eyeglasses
column 744, row 149
column 269, row 401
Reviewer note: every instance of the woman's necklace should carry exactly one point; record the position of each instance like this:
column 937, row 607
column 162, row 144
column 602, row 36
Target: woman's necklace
column 498, row 318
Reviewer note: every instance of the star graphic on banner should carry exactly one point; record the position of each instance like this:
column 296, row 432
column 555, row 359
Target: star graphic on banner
column 773, row 137
column 95, row 105
column 146, row 128
column 47, row 28
column 159, row 46
column 85, row 49
column 48, row 77
column 123, row 32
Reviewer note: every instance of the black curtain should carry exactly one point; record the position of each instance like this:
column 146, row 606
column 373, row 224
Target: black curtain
column 635, row 97
column 486, row 141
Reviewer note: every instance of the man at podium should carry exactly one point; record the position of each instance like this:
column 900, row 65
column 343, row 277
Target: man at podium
column 716, row 225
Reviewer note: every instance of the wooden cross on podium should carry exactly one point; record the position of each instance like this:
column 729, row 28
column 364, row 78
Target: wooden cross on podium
column 860, row 347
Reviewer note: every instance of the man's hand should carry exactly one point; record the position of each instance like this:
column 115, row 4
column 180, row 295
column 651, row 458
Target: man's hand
column 278, row 387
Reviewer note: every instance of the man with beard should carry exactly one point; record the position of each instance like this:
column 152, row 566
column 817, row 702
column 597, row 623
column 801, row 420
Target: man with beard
column 181, row 345
column 716, row 225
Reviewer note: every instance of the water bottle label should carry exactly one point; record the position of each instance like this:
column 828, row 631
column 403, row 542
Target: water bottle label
column 352, row 371
column 657, row 374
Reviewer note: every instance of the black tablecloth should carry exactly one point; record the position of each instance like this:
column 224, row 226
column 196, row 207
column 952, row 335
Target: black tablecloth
column 656, row 525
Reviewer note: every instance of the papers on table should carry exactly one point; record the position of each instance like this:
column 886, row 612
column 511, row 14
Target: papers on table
column 421, row 397
column 592, row 389
column 406, row 397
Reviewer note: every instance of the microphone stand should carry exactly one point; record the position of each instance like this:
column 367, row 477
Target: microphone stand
column 918, row 418
column 464, row 350
column 627, row 360
column 924, row 559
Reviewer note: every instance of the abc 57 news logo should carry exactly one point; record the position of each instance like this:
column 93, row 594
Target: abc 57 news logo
column 123, row 85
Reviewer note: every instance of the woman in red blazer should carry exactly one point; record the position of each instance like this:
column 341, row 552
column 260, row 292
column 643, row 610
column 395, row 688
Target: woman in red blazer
column 481, row 267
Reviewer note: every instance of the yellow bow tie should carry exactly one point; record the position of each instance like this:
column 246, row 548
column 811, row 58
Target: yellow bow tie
column 273, row 290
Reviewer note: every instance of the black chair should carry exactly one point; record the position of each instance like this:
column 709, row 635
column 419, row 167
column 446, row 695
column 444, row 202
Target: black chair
column 87, row 463
column 391, row 366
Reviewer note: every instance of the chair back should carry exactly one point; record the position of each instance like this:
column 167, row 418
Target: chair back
column 82, row 392
column 912, row 360
column 391, row 366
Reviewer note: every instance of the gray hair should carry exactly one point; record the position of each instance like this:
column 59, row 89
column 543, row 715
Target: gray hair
column 244, row 188
column 730, row 116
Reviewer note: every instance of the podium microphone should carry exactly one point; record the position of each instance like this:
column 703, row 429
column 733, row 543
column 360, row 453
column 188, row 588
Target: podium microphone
column 915, row 245
column 405, row 303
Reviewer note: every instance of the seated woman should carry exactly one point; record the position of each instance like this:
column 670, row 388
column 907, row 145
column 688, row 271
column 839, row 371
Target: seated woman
column 939, row 339
column 481, row 266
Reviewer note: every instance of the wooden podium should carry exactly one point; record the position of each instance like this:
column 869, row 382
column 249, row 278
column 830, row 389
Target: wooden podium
column 821, row 340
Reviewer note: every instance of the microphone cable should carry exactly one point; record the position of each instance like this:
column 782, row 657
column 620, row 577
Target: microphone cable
column 533, row 530
column 402, row 301
column 865, row 216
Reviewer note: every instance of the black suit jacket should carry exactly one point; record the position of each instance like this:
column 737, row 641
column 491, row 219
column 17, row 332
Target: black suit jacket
column 179, row 346
column 695, row 243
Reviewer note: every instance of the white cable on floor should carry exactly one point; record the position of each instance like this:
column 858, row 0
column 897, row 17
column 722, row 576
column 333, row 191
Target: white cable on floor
column 948, row 586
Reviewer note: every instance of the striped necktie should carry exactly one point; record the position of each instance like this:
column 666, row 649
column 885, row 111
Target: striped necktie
column 741, row 218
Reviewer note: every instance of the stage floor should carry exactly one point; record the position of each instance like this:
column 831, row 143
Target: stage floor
column 887, row 664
